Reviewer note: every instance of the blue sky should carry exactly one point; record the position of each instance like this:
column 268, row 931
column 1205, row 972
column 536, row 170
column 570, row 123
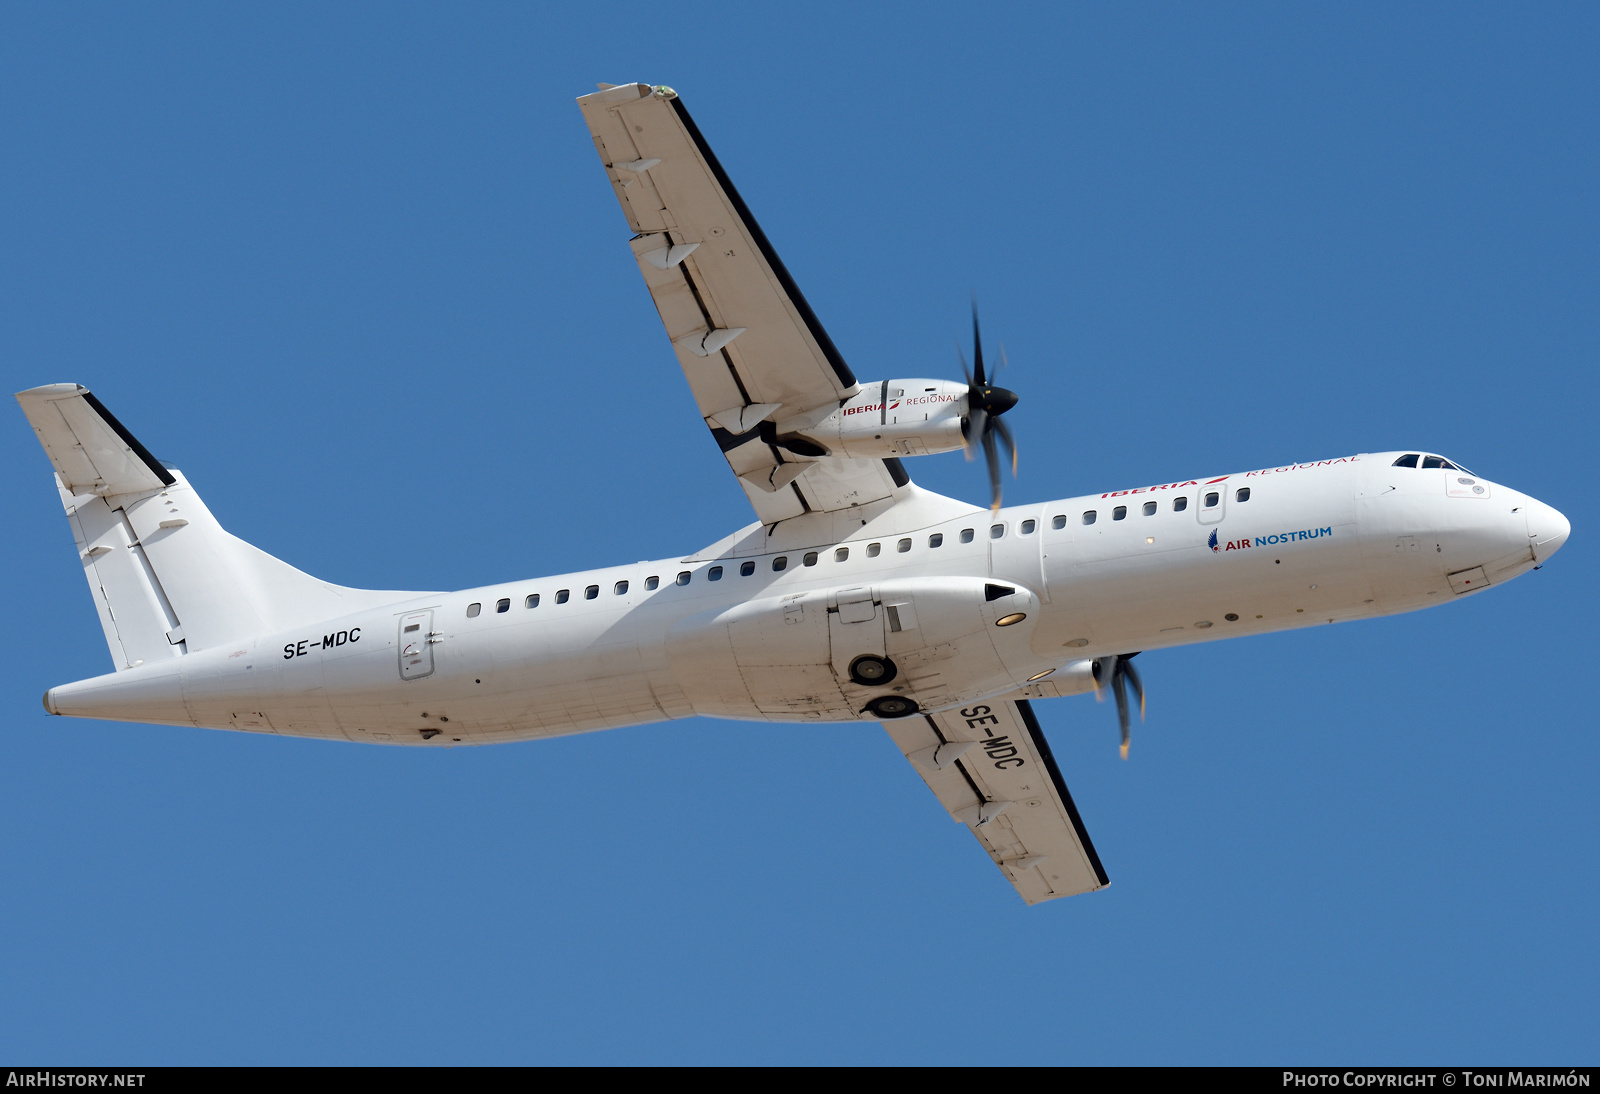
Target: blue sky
column 356, row 269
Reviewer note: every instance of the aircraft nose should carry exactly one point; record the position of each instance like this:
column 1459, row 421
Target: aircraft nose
column 1547, row 529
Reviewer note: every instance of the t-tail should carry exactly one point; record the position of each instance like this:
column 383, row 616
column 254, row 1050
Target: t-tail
column 166, row 578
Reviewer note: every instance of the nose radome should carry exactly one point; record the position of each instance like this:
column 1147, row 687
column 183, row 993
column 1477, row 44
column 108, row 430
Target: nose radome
column 1547, row 529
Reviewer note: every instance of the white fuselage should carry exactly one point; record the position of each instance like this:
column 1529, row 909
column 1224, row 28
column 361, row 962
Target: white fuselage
column 748, row 630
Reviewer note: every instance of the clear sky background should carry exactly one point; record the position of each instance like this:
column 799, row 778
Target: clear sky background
column 357, row 270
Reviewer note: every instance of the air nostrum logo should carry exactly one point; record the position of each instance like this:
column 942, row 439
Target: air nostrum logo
column 1270, row 540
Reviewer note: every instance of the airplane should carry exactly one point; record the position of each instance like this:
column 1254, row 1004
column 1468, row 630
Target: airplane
column 854, row 595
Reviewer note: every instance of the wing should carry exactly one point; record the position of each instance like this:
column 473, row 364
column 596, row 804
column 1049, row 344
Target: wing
column 990, row 766
column 749, row 344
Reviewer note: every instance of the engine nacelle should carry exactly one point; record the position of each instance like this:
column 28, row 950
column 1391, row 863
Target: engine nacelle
column 889, row 418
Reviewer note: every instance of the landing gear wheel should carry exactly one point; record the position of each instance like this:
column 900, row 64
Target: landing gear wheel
column 892, row 706
column 869, row 670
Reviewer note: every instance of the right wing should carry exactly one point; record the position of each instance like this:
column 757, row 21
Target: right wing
column 755, row 356
column 990, row 766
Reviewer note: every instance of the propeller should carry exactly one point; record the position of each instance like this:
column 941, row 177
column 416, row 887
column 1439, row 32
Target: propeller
column 985, row 404
column 1118, row 672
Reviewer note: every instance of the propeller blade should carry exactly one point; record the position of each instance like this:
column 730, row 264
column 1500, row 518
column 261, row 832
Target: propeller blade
column 977, row 348
column 1119, row 688
column 1006, row 439
column 991, row 454
column 977, row 430
column 965, row 371
column 1133, row 678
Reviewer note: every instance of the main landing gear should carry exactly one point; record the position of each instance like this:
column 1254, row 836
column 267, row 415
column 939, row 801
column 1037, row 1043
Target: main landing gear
column 869, row 670
column 893, row 706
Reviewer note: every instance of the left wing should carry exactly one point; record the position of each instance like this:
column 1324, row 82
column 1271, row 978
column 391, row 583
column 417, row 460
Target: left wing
column 990, row 766
column 755, row 356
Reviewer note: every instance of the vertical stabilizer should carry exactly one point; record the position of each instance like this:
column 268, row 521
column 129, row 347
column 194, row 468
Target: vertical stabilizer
column 166, row 577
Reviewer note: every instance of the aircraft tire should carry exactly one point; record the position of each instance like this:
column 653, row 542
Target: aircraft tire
column 893, row 706
column 870, row 670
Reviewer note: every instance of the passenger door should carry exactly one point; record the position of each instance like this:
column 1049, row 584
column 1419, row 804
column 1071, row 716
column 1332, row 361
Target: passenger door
column 416, row 645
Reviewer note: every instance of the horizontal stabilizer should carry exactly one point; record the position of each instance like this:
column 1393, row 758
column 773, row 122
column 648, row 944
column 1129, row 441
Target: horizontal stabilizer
column 90, row 449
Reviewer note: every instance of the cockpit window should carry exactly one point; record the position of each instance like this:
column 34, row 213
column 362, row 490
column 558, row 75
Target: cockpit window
column 1432, row 461
column 1408, row 460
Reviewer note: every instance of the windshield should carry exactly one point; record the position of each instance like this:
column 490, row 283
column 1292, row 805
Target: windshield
column 1410, row 460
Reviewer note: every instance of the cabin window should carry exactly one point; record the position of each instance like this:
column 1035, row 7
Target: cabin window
column 966, row 535
column 621, row 588
column 1027, row 527
column 810, row 559
column 1090, row 516
column 936, row 540
column 684, row 577
column 652, row 583
column 746, row 569
column 714, row 574
column 1180, row 504
column 1242, row 494
column 903, row 546
column 1212, row 499
column 780, row 562
column 563, row 595
column 1059, row 521
column 532, row 601
column 996, row 531
column 873, row 549
column 1119, row 513
column 841, row 554
column 1408, row 460
column 502, row 605
column 591, row 592
column 473, row 610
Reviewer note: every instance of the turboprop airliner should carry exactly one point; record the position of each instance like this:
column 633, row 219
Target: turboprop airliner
column 854, row 596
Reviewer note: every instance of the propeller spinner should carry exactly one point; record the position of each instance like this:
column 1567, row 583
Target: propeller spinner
column 985, row 404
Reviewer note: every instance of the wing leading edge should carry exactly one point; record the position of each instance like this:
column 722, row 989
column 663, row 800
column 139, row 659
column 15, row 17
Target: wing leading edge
column 755, row 356
column 990, row 766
